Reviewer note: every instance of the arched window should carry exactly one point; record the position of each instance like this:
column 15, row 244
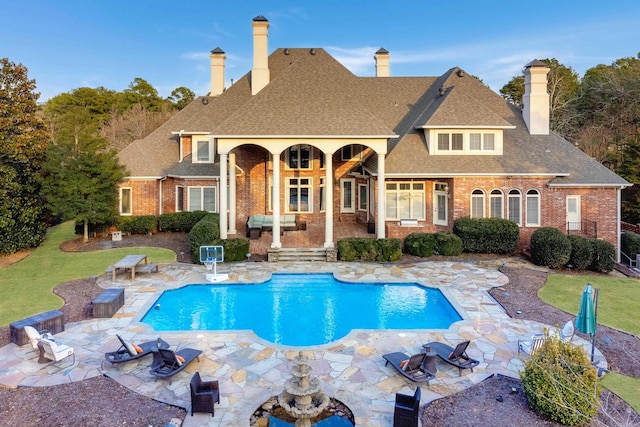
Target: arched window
column 533, row 208
column 496, row 202
column 477, row 204
column 514, row 206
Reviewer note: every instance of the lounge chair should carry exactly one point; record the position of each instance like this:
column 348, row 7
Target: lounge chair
column 204, row 394
column 412, row 369
column 170, row 364
column 566, row 333
column 35, row 335
column 127, row 351
column 454, row 356
column 56, row 352
column 405, row 412
column 530, row 347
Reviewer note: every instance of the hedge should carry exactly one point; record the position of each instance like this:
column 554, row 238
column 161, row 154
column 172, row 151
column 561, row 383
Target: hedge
column 144, row 224
column 180, row 221
column 550, row 248
column 204, row 233
column 630, row 244
column 369, row 249
column 604, row 256
column 581, row 252
column 428, row 244
column 487, row 235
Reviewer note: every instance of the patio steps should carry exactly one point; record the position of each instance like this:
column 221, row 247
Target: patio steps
column 299, row 254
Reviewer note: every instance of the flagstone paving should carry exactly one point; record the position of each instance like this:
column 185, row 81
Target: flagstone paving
column 251, row 370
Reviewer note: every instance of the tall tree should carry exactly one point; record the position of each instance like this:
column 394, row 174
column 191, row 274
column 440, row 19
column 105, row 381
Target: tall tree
column 23, row 141
column 134, row 123
column 181, row 97
column 142, row 93
column 80, row 181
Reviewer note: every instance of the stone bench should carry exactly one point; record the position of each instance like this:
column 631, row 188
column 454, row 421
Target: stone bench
column 51, row 321
column 108, row 302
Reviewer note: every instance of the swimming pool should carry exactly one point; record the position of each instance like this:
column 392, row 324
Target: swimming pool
column 301, row 309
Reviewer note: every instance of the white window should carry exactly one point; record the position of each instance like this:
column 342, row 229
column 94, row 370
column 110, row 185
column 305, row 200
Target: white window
column 125, row 201
column 179, row 198
column 450, row 141
column 574, row 221
column 440, row 203
column 202, row 150
column 350, row 152
column 299, row 157
column 477, row 204
column 299, row 192
column 482, row 141
column 514, row 208
column 533, row 208
column 495, row 204
column 202, row 199
column 348, row 195
column 405, row 200
column 323, row 196
column 363, row 197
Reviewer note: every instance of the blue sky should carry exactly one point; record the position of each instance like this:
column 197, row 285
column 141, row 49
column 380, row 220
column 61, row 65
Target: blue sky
column 69, row 44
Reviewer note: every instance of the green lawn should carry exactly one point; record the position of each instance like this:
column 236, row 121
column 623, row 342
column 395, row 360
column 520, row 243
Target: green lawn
column 618, row 304
column 26, row 286
column 618, row 307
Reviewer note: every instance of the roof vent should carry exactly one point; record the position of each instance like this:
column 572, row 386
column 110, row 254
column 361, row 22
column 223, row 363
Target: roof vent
column 287, row 51
column 442, row 91
column 312, row 51
column 460, row 73
column 205, row 100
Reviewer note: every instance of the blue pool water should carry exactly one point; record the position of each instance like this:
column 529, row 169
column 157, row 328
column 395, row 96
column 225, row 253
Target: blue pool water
column 301, row 309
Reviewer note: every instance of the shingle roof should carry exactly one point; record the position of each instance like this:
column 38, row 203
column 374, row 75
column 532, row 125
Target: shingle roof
column 314, row 95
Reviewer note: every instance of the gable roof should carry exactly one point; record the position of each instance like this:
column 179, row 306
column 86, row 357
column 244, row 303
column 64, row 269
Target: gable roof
column 310, row 94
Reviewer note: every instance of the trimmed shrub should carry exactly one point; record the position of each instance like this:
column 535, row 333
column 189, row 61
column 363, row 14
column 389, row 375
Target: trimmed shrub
column 234, row 249
column 144, row 224
column 630, row 244
column 369, row 249
column 448, row 244
column 180, row 221
column 420, row 244
column 604, row 256
column 549, row 247
column 560, row 383
column 488, row 235
column 581, row 252
column 204, row 233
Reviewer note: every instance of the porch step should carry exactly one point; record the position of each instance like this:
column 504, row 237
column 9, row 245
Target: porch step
column 297, row 254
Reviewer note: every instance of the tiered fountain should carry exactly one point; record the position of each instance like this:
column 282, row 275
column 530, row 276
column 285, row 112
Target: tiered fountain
column 302, row 397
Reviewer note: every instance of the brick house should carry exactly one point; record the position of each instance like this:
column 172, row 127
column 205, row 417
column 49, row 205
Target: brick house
column 301, row 135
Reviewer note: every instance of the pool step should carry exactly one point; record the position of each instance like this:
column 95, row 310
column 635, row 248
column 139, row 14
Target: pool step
column 301, row 254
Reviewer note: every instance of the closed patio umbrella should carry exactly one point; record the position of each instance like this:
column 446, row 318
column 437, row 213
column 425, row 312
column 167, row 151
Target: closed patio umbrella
column 586, row 320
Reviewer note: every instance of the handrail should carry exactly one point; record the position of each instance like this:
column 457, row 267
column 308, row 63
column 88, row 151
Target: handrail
column 631, row 262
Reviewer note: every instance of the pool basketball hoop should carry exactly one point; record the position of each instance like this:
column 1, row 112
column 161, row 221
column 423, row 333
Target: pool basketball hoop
column 210, row 256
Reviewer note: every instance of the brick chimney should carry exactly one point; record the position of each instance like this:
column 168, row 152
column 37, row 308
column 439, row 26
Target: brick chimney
column 217, row 71
column 382, row 62
column 536, row 99
column 260, row 72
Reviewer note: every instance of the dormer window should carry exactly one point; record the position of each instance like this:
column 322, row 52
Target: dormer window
column 465, row 141
column 202, row 150
column 450, row 141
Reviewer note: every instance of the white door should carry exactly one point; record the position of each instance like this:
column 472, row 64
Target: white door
column 574, row 222
column 440, row 203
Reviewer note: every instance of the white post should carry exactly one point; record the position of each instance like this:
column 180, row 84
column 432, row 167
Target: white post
column 328, row 203
column 232, row 195
column 223, row 196
column 275, row 242
column 381, row 198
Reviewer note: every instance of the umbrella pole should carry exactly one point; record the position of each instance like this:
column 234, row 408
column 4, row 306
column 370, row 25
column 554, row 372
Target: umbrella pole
column 593, row 342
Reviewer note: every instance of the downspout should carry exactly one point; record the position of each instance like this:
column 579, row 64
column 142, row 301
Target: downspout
column 618, row 228
column 160, row 199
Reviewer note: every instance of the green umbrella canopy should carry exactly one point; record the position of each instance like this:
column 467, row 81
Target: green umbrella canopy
column 586, row 320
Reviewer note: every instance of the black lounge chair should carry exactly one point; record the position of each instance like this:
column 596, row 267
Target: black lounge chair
column 124, row 353
column 414, row 369
column 169, row 364
column 204, row 394
column 405, row 412
column 457, row 357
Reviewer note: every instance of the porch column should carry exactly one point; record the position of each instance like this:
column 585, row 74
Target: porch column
column 328, row 203
column 275, row 241
column 223, row 196
column 381, row 198
column 232, row 195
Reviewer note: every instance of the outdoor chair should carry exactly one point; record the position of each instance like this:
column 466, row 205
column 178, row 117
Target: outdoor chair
column 204, row 394
column 406, row 410
column 409, row 367
column 530, row 347
column 173, row 362
column 128, row 351
column 566, row 333
column 56, row 352
column 35, row 335
column 454, row 356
